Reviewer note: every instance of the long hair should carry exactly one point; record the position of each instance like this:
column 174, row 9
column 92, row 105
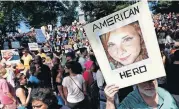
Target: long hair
column 143, row 53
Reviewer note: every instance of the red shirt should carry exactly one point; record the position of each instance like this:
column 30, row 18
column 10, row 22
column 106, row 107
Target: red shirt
column 88, row 77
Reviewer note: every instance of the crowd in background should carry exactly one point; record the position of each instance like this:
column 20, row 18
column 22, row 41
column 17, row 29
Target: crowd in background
column 64, row 72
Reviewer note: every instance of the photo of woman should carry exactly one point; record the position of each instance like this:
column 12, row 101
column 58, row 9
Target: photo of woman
column 124, row 45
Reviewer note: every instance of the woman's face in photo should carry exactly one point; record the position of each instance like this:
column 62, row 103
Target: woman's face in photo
column 124, row 45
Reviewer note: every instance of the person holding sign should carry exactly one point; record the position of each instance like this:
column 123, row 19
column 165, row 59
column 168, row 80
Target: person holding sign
column 125, row 45
column 147, row 95
column 26, row 59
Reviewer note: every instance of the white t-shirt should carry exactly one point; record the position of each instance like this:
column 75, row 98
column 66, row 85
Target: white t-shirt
column 100, row 78
column 75, row 95
column 82, row 61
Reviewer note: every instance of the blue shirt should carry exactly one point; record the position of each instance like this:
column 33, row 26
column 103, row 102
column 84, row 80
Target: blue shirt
column 34, row 79
column 135, row 101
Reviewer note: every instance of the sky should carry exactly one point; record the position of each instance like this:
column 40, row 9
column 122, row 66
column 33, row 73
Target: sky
column 25, row 29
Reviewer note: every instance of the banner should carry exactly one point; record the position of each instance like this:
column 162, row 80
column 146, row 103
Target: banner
column 10, row 56
column 40, row 37
column 33, row 46
column 126, row 47
column 15, row 44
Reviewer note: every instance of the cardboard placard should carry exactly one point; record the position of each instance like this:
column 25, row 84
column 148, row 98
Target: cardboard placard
column 126, row 47
column 40, row 37
column 10, row 56
column 15, row 44
column 33, row 46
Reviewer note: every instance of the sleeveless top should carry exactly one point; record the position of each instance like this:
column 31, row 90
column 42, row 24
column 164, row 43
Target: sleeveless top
column 26, row 94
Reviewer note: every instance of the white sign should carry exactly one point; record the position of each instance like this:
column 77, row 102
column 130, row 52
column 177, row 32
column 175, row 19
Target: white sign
column 15, row 44
column 33, row 46
column 50, row 27
column 10, row 56
column 126, row 47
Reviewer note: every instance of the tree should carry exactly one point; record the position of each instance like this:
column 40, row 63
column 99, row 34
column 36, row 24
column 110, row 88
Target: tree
column 69, row 14
column 9, row 17
column 165, row 6
column 35, row 14
column 41, row 12
column 97, row 9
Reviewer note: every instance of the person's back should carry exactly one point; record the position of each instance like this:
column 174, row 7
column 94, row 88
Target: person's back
column 74, row 93
column 45, row 76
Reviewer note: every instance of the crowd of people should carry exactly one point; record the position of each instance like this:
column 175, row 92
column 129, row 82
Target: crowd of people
column 64, row 73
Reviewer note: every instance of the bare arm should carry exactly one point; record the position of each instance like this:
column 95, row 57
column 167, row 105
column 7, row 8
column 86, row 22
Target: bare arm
column 21, row 95
column 84, row 88
column 60, row 87
column 65, row 91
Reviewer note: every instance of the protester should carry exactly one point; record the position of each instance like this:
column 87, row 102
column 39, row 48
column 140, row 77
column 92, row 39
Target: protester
column 26, row 59
column 82, row 58
column 7, row 95
column 74, row 87
column 147, row 95
column 43, row 98
column 43, row 72
column 22, row 93
column 58, row 84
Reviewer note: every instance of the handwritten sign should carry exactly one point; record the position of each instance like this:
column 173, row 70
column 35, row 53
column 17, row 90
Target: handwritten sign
column 33, row 46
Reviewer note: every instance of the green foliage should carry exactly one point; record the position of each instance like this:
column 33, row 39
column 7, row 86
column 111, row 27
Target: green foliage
column 166, row 7
column 41, row 12
column 69, row 14
column 98, row 9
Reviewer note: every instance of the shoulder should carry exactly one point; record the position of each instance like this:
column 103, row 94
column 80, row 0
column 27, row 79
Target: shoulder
column 164, row 93
column 19, row 91
column 131, row 100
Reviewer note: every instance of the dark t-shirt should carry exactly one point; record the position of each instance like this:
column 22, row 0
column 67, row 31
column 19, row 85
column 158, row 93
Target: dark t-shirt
column 172, row 79
column 45, row 76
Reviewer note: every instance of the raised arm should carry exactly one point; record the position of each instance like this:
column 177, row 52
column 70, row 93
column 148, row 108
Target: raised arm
column 110, row 91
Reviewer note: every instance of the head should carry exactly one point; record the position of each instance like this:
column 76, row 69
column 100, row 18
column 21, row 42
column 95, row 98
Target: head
column 70, row 56
column 125, row 45
column 83, row 51
column 71, row 67
column 43, row 98
column 60, row 68
column 21, row 79
column 3, row 73
column 38, row 60
column 148, row 88
column 25, row 52
column 33, row 69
